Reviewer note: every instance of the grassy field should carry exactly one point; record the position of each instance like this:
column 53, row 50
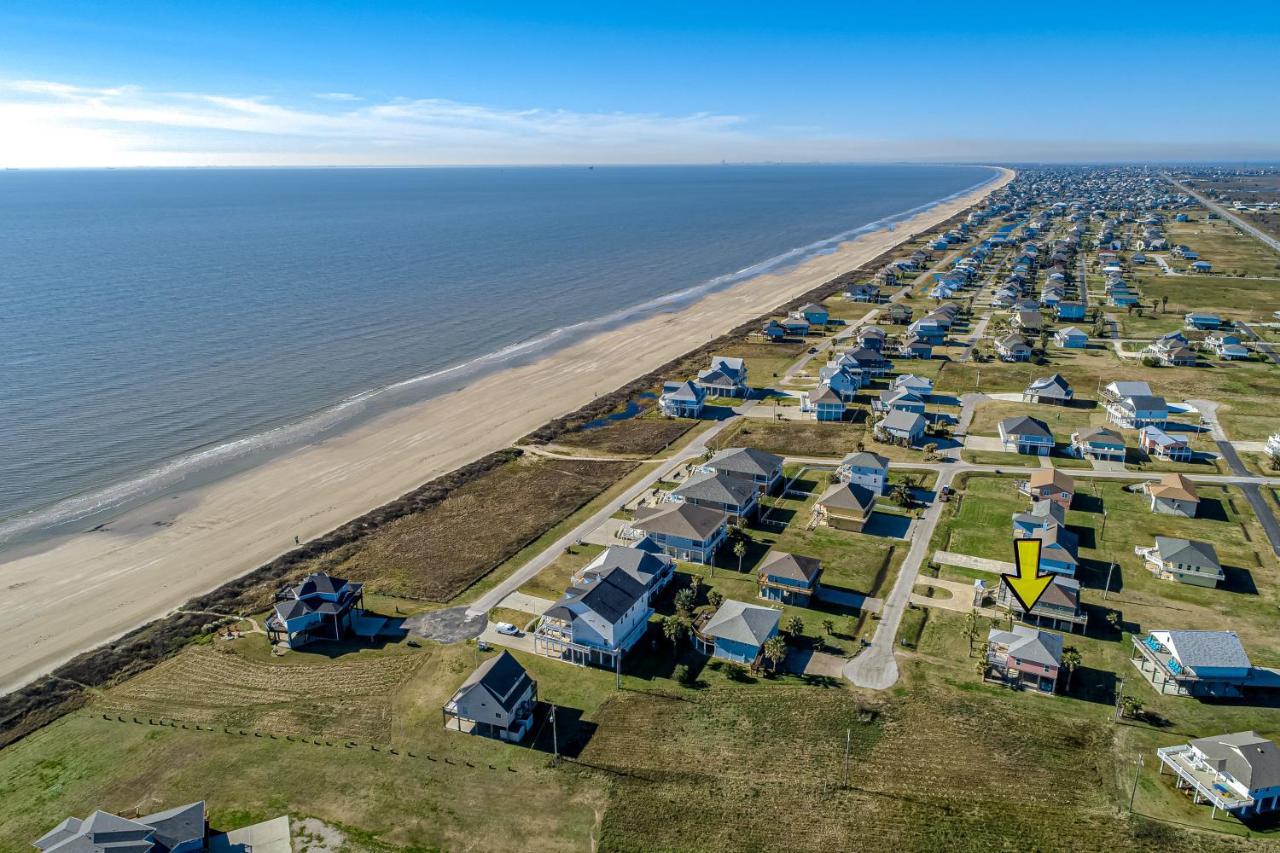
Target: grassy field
column 642, row 436
column 1225, row 246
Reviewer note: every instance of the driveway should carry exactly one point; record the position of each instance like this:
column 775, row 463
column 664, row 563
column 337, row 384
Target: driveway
column 983, row 442
column 982, row 564
column 526, row 603
column 521, row 642
column 607, row 533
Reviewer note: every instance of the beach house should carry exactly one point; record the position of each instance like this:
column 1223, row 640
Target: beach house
column 1071, row 338
column 816, row 314
column 1137, row 411
column 1058, row 606
column 681, row 400
column 1053, row 390
column 322, row 607
column 871, row 337
column 914, row 346
column 1202, row 322
column 844, row 380
column 789, row 578
column 867, row 469
column 921, row 385
column 184, row 829
column 844, row 506
column 1183, row 560
column 1237, row 773
column 726, row 377
column 902, row 427
column 682, row 530
column 1070, row 310
column 759, row 467
column 733, row 496
column 1099, row 443
column 827, row 405
column 598, row 620
column 796, row 324
column 1025, row 657
column 898, row 400
column 1049, row 484
column 737, row 631
column 1173, row 494
column 1022, row 434
column 864, row 293
column 1013, row 347
column 1208, row 664
column 1161, row 445
column 497, row 700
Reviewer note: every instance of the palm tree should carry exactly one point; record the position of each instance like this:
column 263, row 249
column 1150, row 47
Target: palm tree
column 740, row 551
column 828, row 627
column 775, row 650
column 795, row 626
column 1070, row 659
column 715, row 598
column 1131, row 706
column 685, row 600
column 673, row 629
column 981, row 669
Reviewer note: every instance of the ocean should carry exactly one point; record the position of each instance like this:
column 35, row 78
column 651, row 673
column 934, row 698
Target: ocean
column 159, row 328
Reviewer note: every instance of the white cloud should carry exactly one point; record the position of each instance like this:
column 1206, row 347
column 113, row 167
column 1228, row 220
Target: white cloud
column 337, row 96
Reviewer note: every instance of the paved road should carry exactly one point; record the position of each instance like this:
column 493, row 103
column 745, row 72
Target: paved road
column 522, row 575
column 1228, row 215
column 1259, row 344
column 1252, row 491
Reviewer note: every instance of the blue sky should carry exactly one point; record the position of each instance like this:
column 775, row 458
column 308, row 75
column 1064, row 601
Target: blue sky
column 228, row 83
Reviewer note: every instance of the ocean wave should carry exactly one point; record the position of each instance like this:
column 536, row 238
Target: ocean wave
column 168, row 475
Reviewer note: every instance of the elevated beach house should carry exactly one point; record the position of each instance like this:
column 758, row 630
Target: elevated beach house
column 871, row 337
column 903, row 427
column 828, row 406
column 1173, row 494
column 759, row 467
column 867, row 469
column 899, row 400
column 789, row 578
column 1025, row 657
column 1051, row 484
column 1022, row 434
column 497, row 700
column 735, row 497
column 605, row 609
column 1197, row 663
column 921, row 385
column 844, row 506
column 816, row 314
column 1183, row 560
column 1053, row 390
column 1138, row 410
column 681, row 530
column 1238, row 773
column 1097, row 442
column 181, row 830
column 1013, row 347
column 1058, row 608
column 737, row 631
column 726, row 377
column 1162, row 445
column 682, row 400
column 322, row 607
column 1071, row 338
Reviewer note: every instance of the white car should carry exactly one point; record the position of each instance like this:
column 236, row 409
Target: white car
column 506, row 628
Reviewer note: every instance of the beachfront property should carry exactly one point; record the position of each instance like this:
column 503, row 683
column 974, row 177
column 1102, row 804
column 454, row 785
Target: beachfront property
column 1049, row 484
column 1098, row 443
column 1053, row 390
column 1161, row 445
column 682, row 400
column 735, row 497
column 1205, row 664
column 816, row 314
column 497, row 700
column 726, row 377
column 902, row 427
column 827, row 405
column 863, row 293
column 681, row 530
column 184, row 829
column 606, row 607
column 1027, row 435
column 1071, row 338
column 866, row 469
column 1173, row 494
column 844, row 506
column 1057, row 608
column 759, row 467
column 1013, row 347
column 1025, row 657
column 1238, row 773
column 789, row 578
column 795, row 324
column 737, row 631
column 1183, row 560
column 321, row 607
column 1137, row 411
column 774, row 331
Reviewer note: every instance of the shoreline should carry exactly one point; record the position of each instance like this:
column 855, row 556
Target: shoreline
column 90, row 588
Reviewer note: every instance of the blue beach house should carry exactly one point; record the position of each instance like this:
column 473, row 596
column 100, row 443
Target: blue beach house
column 789, row 578
column 681, row 530
column 1070, row 310
column 815, row 314
column 738, row 631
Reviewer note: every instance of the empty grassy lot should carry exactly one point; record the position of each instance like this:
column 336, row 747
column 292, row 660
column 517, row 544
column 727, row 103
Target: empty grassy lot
column 424, row 556
column 810, row 438
column 641, row 436
column 1226, row 247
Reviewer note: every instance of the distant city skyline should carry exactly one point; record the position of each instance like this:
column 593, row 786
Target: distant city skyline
column 318, row 84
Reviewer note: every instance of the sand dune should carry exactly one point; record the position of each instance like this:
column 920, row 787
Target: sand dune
column 89, row 588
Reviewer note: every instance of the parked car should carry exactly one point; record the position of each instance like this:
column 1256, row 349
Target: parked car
column 506, row 628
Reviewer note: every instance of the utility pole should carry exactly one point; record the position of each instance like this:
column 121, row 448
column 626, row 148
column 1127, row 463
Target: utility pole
column 617, row 670
column 555, row 739
column 848, row 738
column 1136, row 776
column 1106, row 590
column 1103, row 534
column 1119, row 698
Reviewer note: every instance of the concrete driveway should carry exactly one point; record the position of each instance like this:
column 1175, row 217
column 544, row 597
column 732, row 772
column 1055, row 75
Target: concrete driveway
column 522, row 642
column 984, row 442
column 526, row 603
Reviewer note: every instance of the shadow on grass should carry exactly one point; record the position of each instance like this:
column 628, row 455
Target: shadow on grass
column 1093, row 574
column 1239, row 580
column 1083, row 502
column 1211, row 509
column 570, row 735
column 1092, row 685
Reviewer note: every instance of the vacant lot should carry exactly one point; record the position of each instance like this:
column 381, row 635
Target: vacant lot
column 437, row 553
column 641, row 436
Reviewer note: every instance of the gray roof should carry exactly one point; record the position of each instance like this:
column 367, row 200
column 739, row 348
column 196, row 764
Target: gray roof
column 827, row 396
column 1144, row 402
column 1209, row 649
column 1050, row 386
column 502, row 677
column 745, row 461
column 610, row 595
column 1023, row 425
column 905, row 421
column 848, row 496
column 1250, row 759
column 1197, row 555
column 743, row 623
column 1030, row 644
column 1130, row 388
column 681, row 391
column 177, row 825
column 643, row 566
column 104, row 832
column 780, row 564
column 1099, row 435
column 717, row 487
column 679, row 519
column 866, row 459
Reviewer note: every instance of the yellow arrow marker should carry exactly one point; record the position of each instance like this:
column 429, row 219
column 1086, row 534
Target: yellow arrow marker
column 1029, row 583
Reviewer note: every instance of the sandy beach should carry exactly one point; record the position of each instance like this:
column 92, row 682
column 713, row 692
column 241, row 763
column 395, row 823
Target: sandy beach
column 90, row 588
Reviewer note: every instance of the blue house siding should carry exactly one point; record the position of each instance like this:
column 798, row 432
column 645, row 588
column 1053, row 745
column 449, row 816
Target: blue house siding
column 735, row 651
